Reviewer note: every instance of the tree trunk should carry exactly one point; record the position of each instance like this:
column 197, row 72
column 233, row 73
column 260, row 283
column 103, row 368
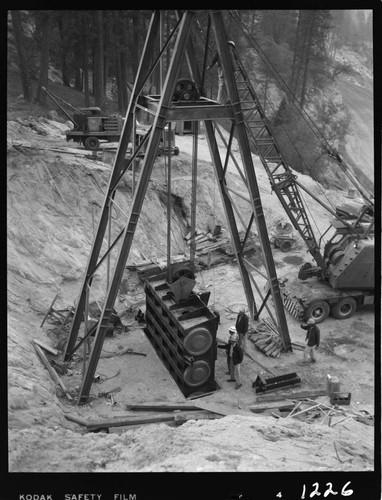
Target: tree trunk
column 99, row 94
column 64, row 62
column 23, row 58
column 85, row 60
column 44, row 59
column 307, row 59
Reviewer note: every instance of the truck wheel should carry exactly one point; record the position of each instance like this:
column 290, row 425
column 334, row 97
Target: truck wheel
column 176, row 151
column 344, row 308
column 91, row 143
column 318, row 310
column 285, row 246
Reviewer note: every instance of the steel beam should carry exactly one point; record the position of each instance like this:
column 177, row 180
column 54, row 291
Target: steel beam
column 228, row 209
column 115, row 175
column 228, row 70
column 157, row 129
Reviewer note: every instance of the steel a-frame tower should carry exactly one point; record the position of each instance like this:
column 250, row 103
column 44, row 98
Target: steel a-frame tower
column 163, row 111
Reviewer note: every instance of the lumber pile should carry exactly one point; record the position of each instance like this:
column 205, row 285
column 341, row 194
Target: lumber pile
column 205, row 242
column 266, row 339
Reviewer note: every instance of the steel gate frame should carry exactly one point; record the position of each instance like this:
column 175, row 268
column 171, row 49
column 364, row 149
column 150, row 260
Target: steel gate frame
column 165, row 111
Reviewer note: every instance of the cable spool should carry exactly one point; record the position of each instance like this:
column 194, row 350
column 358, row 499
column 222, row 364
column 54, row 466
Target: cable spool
column 198, row 341
column 197, row 374
column 186, row 90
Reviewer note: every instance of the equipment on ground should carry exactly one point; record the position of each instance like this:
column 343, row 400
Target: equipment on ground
column 90, row 126
column 262, row 384
column 283, row 237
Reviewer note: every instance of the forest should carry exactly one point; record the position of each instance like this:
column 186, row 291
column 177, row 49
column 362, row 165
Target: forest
column 292, row 56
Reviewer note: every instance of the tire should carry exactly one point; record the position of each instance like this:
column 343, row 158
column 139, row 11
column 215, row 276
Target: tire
column 285, row 246
column 176, row 151
column 91, row 143
column 318, row 310
column 344, row 308
column 276, row 243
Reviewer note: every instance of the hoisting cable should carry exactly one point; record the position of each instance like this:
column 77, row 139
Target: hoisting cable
column 315, row 130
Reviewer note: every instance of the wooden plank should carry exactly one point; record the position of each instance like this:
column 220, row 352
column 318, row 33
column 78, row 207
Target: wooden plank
column 220, row 408
column 46, row 347
column 162, row 406
column 271, row 405
column 74, row 418
column 293, row 396
column 132, row 420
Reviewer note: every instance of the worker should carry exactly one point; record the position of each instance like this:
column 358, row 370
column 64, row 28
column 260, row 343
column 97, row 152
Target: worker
column 234, row 357
column 226, row 346
column 312, row 339
column 222, row 97
column 242, row 328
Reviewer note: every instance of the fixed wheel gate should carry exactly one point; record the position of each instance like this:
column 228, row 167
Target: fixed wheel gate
column 183, row 334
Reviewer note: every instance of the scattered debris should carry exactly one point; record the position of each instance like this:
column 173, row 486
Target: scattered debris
column 126, row 350
column 107, row 393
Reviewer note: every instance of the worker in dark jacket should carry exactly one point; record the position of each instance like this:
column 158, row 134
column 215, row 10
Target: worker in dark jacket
column 242, row 328
column 312, row 339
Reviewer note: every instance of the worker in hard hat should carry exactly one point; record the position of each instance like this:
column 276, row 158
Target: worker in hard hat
column 312, row 339
column 222, row 96
column 235, row 357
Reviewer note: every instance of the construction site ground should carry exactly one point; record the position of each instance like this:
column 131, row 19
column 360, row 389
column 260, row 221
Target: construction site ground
column 54, row 194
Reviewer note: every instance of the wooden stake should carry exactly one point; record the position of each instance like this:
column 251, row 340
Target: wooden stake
column 294, row 409
column 306, row 409
column 52, row 371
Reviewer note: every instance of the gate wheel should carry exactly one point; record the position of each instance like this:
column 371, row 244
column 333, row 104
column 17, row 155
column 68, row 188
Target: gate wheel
column 285, row 246
column 344, row 308
column 318, row 310
column 91, row 143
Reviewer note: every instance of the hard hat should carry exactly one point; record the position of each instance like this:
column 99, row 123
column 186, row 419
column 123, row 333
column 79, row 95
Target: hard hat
column 232, row 330
column 311, row 321
column 230, row 42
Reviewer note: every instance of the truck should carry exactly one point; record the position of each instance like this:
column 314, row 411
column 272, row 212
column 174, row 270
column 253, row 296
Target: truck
column 90, row 126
